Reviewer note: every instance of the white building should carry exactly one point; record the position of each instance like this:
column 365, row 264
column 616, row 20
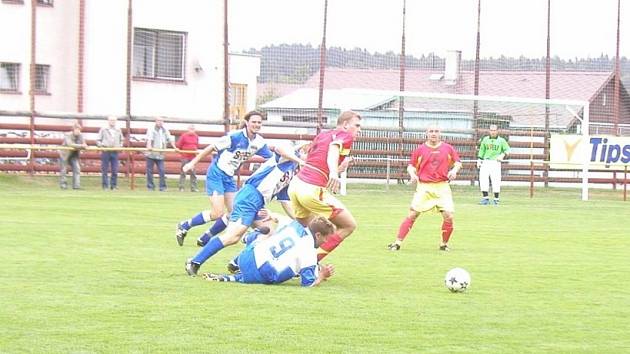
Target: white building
column 177, row 64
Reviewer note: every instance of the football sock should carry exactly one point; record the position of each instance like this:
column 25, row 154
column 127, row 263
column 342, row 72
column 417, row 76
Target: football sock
column 219, row 225
column 447, row 230
column 496, row 196
column 199, row 219
column 405, row 227
column 485, row 194
column 209, row 250
column 325, row 248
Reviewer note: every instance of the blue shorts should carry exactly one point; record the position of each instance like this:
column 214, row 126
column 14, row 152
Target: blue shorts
column 247, row 264
column 218, row 181
column 247, row 202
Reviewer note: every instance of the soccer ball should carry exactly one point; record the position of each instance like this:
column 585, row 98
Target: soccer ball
column 457, row 280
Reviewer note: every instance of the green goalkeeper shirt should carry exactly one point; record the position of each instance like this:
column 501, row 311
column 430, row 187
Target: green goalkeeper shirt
column 490, row 148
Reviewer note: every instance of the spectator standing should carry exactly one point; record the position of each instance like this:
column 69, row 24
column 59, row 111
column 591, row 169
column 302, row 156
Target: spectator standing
column 70, row 157
column 109, row 137
column 158, row 138
column 188, row 141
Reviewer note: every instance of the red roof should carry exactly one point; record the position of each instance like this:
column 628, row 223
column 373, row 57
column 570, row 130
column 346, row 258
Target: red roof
column 564, row 85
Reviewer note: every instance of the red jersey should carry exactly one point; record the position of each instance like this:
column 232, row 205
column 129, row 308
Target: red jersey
column 432, row 164
column 188, row 141
column 316, row 170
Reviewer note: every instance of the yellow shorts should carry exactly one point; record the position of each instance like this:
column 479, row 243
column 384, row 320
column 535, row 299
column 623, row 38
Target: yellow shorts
column 308, row 199
column 433, row 195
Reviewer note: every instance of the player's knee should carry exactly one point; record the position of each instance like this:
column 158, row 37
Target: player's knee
column 229, row 239
column 344, row 230
column 215, row 214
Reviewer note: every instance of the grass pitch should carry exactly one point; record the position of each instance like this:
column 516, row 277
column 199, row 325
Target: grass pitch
column 92, row 271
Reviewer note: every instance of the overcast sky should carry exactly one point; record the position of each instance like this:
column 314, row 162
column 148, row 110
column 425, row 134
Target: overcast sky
column 580, row 28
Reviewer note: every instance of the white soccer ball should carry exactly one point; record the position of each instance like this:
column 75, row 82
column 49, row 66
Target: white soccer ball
column 457, row 280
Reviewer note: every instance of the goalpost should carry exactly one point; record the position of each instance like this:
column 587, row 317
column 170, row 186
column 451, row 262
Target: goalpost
column 549, row 139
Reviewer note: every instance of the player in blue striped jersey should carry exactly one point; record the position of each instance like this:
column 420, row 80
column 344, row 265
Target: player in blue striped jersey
column 271, row 180
column 290, row 251
column 232, row 150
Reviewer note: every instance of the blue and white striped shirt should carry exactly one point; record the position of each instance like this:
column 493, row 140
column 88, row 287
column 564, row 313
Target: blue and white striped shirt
column 235, row 148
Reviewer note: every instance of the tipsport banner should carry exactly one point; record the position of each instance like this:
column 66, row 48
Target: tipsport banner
column 602, row 152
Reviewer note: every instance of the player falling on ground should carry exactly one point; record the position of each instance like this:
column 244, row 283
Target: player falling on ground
column 300, row 149
column 310, row 191
column 432, row 165
column 270, row 180
column 232, row 150
column 492, row 151
column 288, row 252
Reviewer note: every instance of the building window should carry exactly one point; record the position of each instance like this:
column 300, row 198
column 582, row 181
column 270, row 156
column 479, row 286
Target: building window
column 303, row 118
column 42, row 74
column 158, row 54
column 45, row 2
column 238, row 104
column 9, row 77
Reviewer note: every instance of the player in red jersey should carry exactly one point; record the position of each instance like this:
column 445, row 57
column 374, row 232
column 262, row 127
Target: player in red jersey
column 432, row 165
column 310, row 191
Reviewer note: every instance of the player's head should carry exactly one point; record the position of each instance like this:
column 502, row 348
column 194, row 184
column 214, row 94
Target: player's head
column 111, row 120
column 433, row 133
column 253, row 122
column 321, row 228
column 349, row 121
column 494, row 130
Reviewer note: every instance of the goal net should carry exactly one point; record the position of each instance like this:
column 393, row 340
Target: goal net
column 550, row 143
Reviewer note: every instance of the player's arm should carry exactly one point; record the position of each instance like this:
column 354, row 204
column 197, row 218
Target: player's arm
column 452, row 174
column 207, row 150
column 325, row 271
column 288, row 154
column 481, row 152
column 505, row 150
column 345, row 164
column 332, row 161
column 413, row 176
column 223, row 143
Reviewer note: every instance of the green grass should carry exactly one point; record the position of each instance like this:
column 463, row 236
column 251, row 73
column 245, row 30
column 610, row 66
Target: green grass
column 91, row 271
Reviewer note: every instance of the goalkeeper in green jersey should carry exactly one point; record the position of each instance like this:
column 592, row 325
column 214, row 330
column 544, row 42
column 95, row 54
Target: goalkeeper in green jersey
column 492, row 151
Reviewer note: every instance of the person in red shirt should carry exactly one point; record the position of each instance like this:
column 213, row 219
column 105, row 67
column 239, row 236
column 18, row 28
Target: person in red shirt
column 432, row 165
column 310, row 190
column 188, row 141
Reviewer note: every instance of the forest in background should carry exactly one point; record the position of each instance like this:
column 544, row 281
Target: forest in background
column 295, row 63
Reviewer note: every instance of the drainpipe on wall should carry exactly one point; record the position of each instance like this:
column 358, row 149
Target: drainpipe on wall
column 32, row 73
column 81, row 56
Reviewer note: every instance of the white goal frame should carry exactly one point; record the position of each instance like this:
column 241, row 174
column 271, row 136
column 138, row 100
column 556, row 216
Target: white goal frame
column 585, row 121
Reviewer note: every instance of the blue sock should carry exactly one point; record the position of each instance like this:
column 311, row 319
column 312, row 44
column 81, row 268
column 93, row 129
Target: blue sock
column 219, row 225
column 196, row 220
column 209, row 250
column 203, row 239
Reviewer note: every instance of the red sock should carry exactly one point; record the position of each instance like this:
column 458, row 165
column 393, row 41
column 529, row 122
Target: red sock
column 325, row 248
column 447, row 230
column 405, row 227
